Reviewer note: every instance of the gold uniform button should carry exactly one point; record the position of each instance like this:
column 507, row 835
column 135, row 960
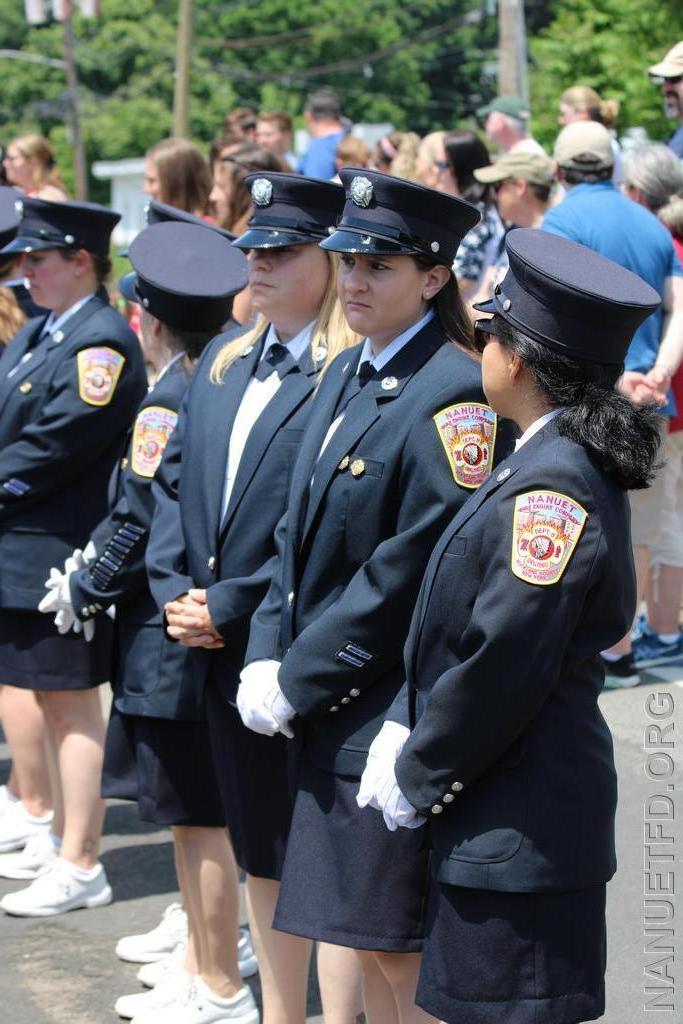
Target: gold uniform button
column 354, row 692
column 344, row 464
column 456, row 787
column 357, row 467
column 448, row 798
column 437, row 809
column 26, row 387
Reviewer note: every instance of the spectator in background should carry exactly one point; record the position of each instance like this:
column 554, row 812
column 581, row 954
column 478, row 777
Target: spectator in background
column 176, row 173
column 431, row 160
column 352, row 152
column 463, row 152
column 581, row 103
column 324, row 123
column 670, row 71
column 241, row 122
column 596, row 214
column 396, row 153
column 653, row 177
column 274, row 132
column 506, row 123
column 29, row 163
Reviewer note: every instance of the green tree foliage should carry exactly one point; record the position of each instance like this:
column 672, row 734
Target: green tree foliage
column 607, row 44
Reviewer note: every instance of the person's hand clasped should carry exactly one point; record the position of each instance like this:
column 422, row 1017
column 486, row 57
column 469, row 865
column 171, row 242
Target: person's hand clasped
column 261, row 703
column 188, row 620
column 643, row 388
column 57, row 600
column 378, row 785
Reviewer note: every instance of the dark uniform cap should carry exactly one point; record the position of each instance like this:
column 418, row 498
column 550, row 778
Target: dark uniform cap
column 289, row 210
column 185, row 275
column 388, row 216
column 48, row 225
column 159, row 213
column 570, row 298
column 9, row 217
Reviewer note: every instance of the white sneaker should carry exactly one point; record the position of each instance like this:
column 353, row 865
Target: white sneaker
column 199, row 1006
column 166, row 992
column 17, row 826
column 153, row 974
column 57, row 891
column 155, row 944
column 32, row 861
column 7, row 798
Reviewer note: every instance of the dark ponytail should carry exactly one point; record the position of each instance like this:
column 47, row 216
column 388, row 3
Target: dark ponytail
column 623, row 438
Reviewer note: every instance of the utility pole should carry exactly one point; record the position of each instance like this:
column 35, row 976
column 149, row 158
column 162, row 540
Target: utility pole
column 512, row 51
column 73, row 103
column 181, row 97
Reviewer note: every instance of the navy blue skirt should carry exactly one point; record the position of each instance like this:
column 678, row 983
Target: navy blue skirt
column 252, row 774
column 165, row 767
column 347, row 879
column 514, row 958
column 33, row 655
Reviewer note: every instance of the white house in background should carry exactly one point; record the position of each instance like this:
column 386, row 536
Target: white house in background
column 127, row 197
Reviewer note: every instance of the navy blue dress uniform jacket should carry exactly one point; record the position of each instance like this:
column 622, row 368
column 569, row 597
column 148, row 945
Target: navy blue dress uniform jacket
column 191, row 545
column 510, row 757
column 358, row 540
column 148, row 669
column 57, row 449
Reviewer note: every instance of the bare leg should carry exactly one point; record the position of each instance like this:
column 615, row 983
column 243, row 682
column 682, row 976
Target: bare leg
column 378, row 996
column 211, row 895
column 283, row 959
column 75, row 719
column 664, row 599
column 401, row 971
column 52, row 760
column 641, row 557
column 340, row 982
column 193, row 952
column 24, row 727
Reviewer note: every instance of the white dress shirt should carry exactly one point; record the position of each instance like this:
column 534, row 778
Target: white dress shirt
column 256, row 397
column 535, row 427
column 53, row 323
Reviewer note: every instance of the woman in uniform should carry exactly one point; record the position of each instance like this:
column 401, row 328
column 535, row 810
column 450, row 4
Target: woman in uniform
column 212, row 546
column 510, row 758
column 400, row 435
column 70, row 383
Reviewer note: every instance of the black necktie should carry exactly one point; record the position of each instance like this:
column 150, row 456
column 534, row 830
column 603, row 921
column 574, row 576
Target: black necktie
column 354, row 386
column 278, row 358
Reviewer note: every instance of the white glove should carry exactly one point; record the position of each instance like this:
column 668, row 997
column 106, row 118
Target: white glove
column 58, row 598
column 261, row 703
column 378, row 786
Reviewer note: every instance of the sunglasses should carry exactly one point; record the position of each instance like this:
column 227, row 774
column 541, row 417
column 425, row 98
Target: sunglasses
column 483, row 332
column 674, row 80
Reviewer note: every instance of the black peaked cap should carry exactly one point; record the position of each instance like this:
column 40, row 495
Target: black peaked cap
column 69, row 225
column 289, row 209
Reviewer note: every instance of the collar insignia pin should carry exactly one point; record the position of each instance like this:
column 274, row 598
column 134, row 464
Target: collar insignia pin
column 503, row 475
column 389, row 383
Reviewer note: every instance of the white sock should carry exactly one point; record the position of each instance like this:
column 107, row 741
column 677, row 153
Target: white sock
column 56, row 842
column 45, row 819
column 81, row 874
column 611, row 657
column 668, row 638
column 219, row 1000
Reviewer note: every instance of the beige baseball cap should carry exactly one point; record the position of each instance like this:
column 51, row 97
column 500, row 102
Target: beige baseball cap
column 584, row 146
column 536, row 168
column 671, row 66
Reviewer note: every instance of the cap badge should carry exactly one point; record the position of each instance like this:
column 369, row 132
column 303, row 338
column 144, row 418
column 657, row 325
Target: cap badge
column 262, row 192
column 434, row 246
column 389, row 383
column 365, row 239
column 361, row 191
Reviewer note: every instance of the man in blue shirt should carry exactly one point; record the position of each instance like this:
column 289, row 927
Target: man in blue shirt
column 599, row 216
column 670, row 72
column 324, row 123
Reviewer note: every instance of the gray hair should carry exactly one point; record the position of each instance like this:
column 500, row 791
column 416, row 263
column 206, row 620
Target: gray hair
column 657, row 172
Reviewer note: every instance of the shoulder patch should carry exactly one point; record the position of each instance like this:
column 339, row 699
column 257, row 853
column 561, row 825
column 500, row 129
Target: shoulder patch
column 99, row 370
column 153, row 427
column 468, row 434
column 546, row 528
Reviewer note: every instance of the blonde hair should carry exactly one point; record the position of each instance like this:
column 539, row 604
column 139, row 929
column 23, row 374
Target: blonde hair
column 585, row 100
column 431, row 147
column 404, row 163
column 330, row 331
column 11, row 315
column 184, row 174
column 37, row 150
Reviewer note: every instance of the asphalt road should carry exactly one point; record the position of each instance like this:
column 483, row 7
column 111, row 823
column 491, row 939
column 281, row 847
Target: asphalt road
column 64, row 971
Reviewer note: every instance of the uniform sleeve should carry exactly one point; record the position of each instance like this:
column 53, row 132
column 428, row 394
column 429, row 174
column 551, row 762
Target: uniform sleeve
column 118, row 574
column 511, row 661
column 264, row 632
column 360, row 637
column 165, row 559
column 76, row 425
column 237, row 598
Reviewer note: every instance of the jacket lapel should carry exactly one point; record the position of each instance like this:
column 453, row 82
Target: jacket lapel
column 18, row 361
column 293, row 390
